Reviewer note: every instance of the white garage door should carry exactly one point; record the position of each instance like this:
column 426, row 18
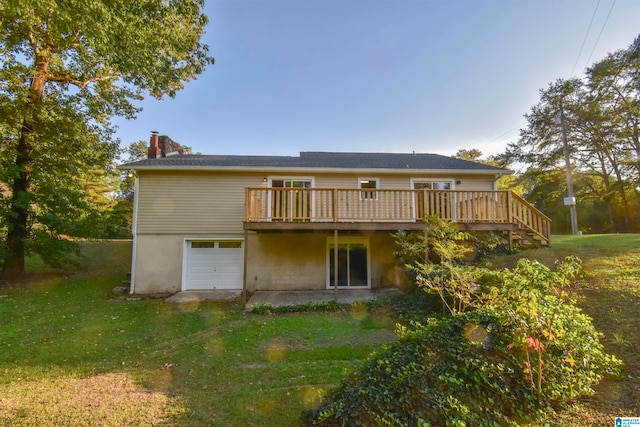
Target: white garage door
column 215, row 264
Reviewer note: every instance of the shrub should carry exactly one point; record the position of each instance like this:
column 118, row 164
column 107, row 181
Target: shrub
column 452, row 371
column 325, row 306
column 561, row 357
column 437, row 262
column 56, row 251
column 528, row 350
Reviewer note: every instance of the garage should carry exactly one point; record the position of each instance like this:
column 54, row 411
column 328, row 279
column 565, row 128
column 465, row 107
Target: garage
column 214, row 264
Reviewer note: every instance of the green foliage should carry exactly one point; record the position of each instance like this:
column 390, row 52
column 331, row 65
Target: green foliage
column 452, row 371
column 325, row 306
column 520, row 349
column 561, row 357
column 55, row 251
column 413, row 304
column 438, row 264
column 211, row 360
column 528, row 352
column 63, row 75
column 602, row 117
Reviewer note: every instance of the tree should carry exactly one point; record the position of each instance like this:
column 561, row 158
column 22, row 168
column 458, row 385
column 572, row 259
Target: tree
column 136, row 151
column 602, row 118
column 616, row 82
column 473, row 155
column 505, row 182
column 65, row 71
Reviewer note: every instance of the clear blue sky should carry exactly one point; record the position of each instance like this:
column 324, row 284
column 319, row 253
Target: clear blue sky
column 381, row 76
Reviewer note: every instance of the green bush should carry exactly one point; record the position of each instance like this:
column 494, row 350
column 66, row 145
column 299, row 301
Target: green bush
column 439, row 373
column 557, row 344
column 56, row 251
column 325, row 306
column 527, row 351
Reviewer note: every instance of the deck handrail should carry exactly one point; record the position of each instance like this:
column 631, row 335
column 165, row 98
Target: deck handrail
column 529, row 217
column 269, row 204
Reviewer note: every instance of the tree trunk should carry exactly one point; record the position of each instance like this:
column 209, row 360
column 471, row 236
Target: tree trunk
column 619, row 185
column 13, row 267
column 607, row 197
column 613, row 228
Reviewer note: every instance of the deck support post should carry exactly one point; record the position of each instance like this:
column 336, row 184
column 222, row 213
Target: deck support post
column 244, row 274
column 335, row 265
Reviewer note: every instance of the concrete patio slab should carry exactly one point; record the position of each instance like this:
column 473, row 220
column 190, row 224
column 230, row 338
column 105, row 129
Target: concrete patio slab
column 281, row 298
column 195, row 296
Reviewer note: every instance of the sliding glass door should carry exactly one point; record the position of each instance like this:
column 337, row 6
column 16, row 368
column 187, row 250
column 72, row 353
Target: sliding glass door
column 353, row 263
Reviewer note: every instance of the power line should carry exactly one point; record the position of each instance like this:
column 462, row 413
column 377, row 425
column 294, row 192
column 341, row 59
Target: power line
column 502, row 134
column 601, row 31
column 585, row 37
column 484, row 144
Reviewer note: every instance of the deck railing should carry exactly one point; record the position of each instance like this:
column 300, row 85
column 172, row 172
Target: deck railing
column 372, row 205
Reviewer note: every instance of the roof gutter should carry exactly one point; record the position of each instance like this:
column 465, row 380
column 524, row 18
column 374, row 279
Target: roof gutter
column 309, row 169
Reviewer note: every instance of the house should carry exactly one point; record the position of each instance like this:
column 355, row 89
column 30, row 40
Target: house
column 209, row 222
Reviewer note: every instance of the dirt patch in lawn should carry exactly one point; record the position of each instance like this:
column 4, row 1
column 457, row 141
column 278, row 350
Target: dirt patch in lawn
column 103, row 400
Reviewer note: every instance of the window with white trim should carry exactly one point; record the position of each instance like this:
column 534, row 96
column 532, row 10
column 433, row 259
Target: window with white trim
column 293, row 203
column 432, row 185
column 433, row 203
column 368, row 183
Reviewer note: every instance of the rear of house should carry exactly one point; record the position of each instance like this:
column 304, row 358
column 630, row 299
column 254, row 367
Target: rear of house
column 208, row 222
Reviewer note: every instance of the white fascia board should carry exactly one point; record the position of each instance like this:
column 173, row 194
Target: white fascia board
column 320, row 170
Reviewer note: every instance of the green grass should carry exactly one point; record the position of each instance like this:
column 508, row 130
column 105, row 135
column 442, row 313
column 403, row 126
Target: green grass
column 215, row 364
column 74, row 354
column 612, row 242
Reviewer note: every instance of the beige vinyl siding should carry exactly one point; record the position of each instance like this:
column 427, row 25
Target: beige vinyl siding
column 179, row 202
column 397, row 181
column 472, row 183
column 336, row 181
column 351, row 181
column 193, row 203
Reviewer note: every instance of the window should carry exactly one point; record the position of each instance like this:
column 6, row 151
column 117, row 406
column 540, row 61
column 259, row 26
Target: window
column 222, row 244
column 202, row 245
column 433, row 202
column 368, row 183
column 291, row 183
column 293, row 202
column 432, row 185
column 230, row 244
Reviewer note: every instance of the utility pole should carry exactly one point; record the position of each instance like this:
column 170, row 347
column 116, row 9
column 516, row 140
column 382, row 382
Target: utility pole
column 570, row 200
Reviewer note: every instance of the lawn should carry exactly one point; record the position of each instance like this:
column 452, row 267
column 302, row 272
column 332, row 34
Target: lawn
column 75, row 354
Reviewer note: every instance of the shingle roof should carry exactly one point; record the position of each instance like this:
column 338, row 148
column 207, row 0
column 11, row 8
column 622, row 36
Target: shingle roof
column 317, row 160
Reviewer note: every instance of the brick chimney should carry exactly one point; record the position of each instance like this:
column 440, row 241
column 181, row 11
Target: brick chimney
column 154, row 150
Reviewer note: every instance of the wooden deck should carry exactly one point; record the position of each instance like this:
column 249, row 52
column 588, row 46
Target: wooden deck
column 281, row 209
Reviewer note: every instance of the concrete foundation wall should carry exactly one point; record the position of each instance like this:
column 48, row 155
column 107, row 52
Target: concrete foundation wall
column 298, row 261
column 158, row 267
column 286, row 261
column 385, row 269
column 276, row 261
